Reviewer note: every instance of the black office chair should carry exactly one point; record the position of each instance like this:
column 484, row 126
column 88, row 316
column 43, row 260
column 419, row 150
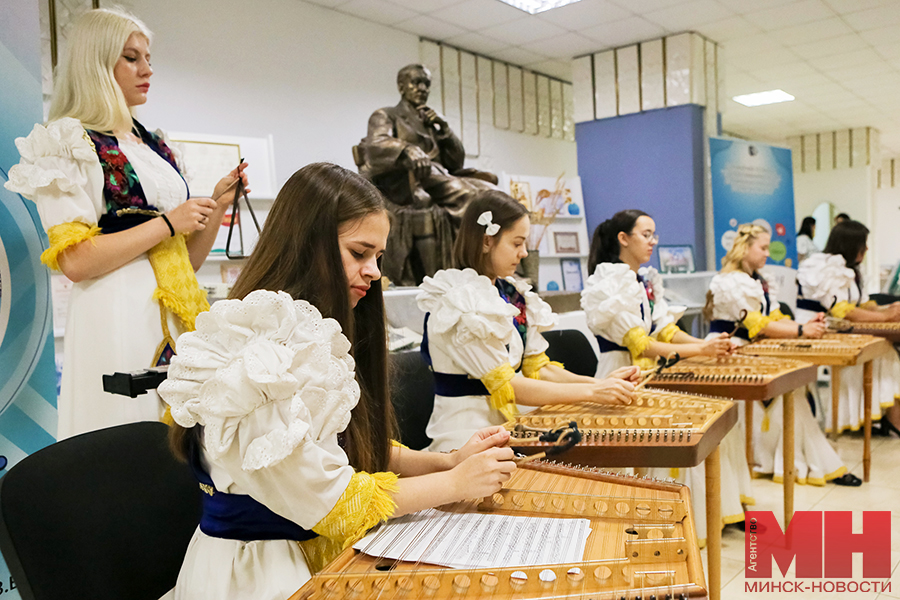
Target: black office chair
column 106, row 515
column 412, row 394
column 572, row 349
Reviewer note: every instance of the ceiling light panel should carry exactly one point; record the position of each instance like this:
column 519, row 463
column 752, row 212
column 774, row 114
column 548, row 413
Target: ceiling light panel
column 761, row 98
column 534, row 7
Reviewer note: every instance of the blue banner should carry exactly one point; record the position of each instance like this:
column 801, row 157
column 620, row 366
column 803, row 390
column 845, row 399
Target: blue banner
column 753, row 183
column 27, row 366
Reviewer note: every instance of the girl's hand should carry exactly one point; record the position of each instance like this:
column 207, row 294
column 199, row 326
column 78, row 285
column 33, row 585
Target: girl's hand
column 489, row 437
column 227, row 183
column 193, row 215
column 610, row 391
column 483, row 473
column 717, row 346
column 632, row 374
column 893, row 312
column 814, row 329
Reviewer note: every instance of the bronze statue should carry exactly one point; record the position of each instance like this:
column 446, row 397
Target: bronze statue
column 416, row 160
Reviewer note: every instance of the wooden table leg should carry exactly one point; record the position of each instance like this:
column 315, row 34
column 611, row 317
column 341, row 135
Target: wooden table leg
column 867, row 432
column 788, row 452
column 748, row 412
column 714, row 524
column 835, row 399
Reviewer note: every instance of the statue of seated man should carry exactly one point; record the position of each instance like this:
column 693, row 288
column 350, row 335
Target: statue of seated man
column 416, row 160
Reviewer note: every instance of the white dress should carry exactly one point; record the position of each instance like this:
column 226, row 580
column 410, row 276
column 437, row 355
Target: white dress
column 805, row 248
column 815, row 461
column 470, row 333
column 272, row 384
column 615, row 302
column 825, row 279
column 113, row 322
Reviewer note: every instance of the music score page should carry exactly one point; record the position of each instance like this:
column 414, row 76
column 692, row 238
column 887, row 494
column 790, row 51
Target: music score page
column 478, row 540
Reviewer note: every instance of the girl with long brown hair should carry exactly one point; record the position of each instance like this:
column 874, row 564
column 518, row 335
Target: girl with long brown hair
column 831, row 282
column 282, row 409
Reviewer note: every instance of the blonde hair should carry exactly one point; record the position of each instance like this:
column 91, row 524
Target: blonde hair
column 747, row 234
column 86, row 88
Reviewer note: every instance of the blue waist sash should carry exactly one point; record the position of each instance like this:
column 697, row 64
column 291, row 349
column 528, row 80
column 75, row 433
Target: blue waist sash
column 237, row 516
column 723, row 326
column 608, row 346
column 450, row 385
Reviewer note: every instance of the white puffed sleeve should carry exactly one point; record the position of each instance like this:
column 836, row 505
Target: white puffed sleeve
column 272, row 383
column 612, row 300
column 469, row 322
column 664, row 314
column 826, row 279
column 734, row 292
column 538, row 314
column 60, row 172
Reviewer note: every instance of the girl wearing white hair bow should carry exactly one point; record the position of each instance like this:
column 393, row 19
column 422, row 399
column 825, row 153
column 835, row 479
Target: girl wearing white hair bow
column 482, row 326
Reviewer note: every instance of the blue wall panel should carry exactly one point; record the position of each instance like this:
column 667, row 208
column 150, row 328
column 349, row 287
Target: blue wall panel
column 652, row 161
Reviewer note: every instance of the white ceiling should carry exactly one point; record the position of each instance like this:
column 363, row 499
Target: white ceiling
column 840, row 58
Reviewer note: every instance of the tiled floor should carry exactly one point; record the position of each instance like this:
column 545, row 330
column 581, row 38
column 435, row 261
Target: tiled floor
column 881, row 493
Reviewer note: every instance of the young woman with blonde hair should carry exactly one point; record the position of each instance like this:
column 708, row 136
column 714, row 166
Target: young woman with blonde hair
column 120, row 222
column 482, row 326
column 281, row 403
column 741, row 299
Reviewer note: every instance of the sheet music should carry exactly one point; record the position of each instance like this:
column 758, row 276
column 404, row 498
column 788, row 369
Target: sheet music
column 478, row 540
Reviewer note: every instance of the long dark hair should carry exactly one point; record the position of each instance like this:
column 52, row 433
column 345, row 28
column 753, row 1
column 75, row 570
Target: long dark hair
column 605, row 241
column 468, row 250
column 298, row 252
column 806, row 227
column 847, row 238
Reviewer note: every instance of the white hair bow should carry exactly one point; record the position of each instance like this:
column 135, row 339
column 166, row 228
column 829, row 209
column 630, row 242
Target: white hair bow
column 490, row 228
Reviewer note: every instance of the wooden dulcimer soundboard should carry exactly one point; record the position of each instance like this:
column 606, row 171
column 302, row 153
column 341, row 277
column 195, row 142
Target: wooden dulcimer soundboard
column 841, row 349
column 642, row 544
column 738, row 377
column 659, row 429
column 888, row 331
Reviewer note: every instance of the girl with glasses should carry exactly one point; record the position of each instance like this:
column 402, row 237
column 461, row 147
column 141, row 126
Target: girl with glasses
column 626, row 309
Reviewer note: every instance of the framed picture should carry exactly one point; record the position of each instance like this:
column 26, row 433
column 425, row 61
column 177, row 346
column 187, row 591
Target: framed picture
column 566, row 242
column 676, row 259
column 521, row 191
column 571, row 274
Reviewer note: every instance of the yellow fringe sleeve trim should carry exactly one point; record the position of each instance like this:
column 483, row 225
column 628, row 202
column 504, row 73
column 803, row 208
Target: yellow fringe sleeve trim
column 532, row 365
column 667, row 333
column 869, row 305
column 365, row 503
column 755, row 323
column 63, row 237
column 637, row 341
column 177, row 288
column 842, row 309
column 319, row 551
column 777, row 315
column 674, row 472
column 397, row 444
column 503, row 397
